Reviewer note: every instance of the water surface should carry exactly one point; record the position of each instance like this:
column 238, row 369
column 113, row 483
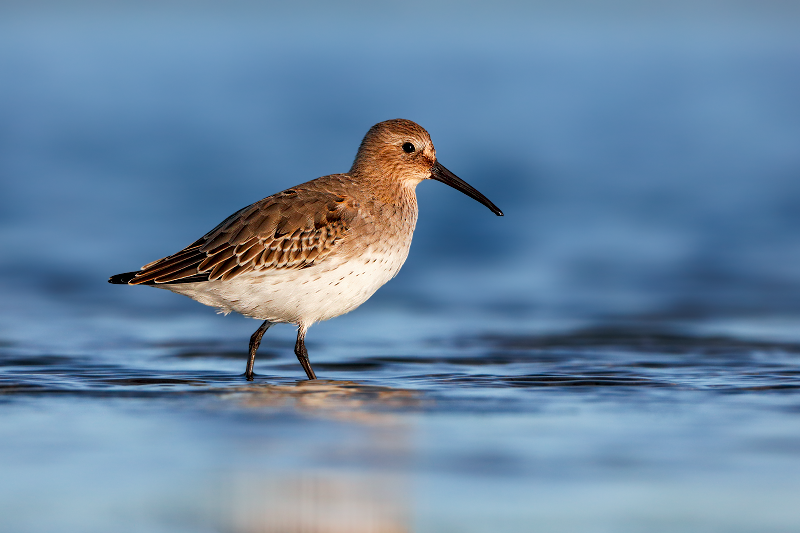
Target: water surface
column 629, row 426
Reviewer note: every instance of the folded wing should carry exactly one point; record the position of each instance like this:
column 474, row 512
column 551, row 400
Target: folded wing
column 292, row 229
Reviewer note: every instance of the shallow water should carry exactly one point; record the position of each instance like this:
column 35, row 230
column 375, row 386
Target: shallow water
column 619, row 353
column 620, row 427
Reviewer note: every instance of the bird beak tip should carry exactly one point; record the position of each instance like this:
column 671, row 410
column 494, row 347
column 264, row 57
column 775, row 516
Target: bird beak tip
column 440, row 173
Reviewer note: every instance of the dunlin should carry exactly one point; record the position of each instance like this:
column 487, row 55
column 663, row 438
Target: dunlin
column 314, row 251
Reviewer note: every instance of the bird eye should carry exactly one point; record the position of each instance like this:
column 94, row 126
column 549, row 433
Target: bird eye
column 408, row 148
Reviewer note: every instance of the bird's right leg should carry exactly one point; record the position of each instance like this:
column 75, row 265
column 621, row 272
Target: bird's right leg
column 255, row 341
column 301, row 352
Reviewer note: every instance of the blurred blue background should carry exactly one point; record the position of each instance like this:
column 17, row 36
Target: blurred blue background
column 646, row 154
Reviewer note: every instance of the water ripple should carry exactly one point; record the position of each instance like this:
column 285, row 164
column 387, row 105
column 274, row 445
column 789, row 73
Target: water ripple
column 629, row 360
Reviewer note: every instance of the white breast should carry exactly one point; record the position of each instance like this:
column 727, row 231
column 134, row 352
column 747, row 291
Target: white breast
column 301, row 296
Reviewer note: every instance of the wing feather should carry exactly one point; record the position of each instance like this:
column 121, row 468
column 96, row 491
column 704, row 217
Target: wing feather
column 292, row 229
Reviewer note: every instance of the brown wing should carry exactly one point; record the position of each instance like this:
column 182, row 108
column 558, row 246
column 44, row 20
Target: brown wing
column 291, row 229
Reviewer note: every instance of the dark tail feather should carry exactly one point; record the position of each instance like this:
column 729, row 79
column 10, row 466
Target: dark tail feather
column 122, row 279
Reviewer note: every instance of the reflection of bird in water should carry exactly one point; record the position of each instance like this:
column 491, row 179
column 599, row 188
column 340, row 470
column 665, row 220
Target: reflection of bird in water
column 319, row 501
column 314, row 251
column 344, row 400
column 368, row 491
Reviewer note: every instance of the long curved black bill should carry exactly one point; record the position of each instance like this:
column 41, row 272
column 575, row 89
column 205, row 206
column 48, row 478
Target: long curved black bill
column 439, row 173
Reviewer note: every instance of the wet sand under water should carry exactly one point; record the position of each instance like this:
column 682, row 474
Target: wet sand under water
column 601, row 428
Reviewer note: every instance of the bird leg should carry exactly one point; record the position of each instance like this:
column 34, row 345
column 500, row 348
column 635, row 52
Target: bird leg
column 255, row 342
column 301, row 352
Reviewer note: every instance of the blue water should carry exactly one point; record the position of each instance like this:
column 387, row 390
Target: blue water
column 620, row 352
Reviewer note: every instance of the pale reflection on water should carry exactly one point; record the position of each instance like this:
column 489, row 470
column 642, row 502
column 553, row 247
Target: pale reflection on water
column 327, row 500
column 344, row 400
column 320, row 501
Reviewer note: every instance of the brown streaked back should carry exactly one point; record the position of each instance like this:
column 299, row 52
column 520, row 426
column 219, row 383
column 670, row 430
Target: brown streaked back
column 292, row 229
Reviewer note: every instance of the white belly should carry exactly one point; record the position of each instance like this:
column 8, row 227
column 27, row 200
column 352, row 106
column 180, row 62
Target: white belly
column 301, row 296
